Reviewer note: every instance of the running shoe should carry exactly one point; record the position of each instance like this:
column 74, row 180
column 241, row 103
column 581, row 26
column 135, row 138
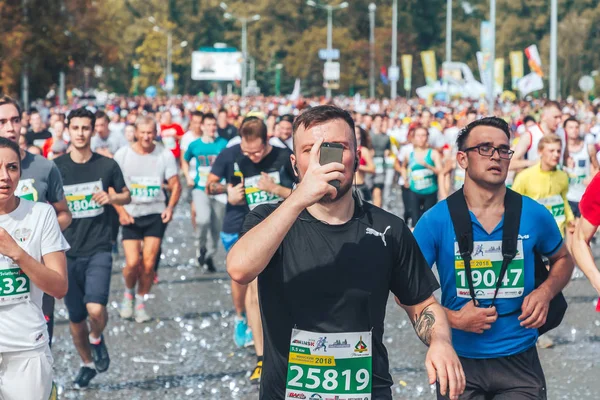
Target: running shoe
column 249, row 338
column 239, row 331
column 100, row 355
column 84, row 377
column 127, row 306
column 255, row 377
column 210, row 265
column 141, row 315
column 202, row 257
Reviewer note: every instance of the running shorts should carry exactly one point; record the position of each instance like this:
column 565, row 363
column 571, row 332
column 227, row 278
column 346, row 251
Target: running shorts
column 146, row 226
column 89, row 282
column 26, row 374
column 518, row 377
column 575, row 207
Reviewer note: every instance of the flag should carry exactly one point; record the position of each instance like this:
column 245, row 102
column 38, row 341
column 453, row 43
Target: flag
column 535, row 62
column 384, row 76
column 516, row 68
column 296, row 93
column 429, row 66
column 499, row 72
column 407, row 60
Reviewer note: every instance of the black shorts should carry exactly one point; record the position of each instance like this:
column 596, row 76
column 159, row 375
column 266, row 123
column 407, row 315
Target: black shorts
column 378, row 186
column 146, row 226
column 518, row 377
column 89, row 282
column 575, row 207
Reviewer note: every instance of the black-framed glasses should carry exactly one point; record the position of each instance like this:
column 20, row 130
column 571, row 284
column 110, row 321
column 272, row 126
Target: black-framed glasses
column 488, row 151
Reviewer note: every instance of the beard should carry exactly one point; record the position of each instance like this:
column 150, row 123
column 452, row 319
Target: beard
column 327, row 199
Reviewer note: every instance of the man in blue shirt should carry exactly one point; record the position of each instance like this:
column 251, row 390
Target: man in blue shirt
column 496, row 345
column 209, row 209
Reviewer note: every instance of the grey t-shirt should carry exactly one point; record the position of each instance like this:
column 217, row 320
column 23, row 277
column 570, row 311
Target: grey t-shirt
column 113, row 142
column 40, row 180
column 144, row 175
column 381, row 143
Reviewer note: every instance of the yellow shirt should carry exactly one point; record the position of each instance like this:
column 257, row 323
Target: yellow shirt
column 548, row 188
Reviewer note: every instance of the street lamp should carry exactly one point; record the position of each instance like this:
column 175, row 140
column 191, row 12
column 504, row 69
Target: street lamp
column 372, row 8
column 330, row 10
column 244, row 21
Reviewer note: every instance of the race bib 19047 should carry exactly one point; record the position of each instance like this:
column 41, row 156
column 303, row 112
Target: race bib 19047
column 485, row 269
column 144, row 188
column 255, row 196
column 79, row 199
column 323, row 366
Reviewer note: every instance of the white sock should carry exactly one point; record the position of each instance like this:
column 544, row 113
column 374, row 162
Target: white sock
column 88, row 365
column 93, row 340
column 130, row 291
column 139, row 299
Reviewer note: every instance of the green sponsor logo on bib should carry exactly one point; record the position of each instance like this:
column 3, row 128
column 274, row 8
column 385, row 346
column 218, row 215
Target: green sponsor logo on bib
column 485, row 269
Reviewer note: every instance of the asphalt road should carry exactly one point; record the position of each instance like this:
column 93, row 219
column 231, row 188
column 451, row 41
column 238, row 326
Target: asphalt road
column 187, row 351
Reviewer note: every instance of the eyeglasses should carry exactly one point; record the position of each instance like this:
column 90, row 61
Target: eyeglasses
column 488, row 151
column 254, row 153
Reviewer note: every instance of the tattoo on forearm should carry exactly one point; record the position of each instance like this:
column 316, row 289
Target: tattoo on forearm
column 216, row 188
column 423, row 325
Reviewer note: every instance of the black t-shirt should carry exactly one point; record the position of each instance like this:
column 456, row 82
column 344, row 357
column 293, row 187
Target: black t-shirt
column 227, row 133
column 337, row 278
column 37, row 139
column 90, row 231
column 231, row 160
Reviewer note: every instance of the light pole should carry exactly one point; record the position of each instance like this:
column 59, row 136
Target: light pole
column 553, row 47
column 169, row 68
column 448, row 30
column 244, row 21
column 330, row 10
column 491, row 78
column 394, row 82
column 372, row 8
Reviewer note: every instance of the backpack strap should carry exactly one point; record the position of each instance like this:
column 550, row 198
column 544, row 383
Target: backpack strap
column 513, row 203
column 463, row 229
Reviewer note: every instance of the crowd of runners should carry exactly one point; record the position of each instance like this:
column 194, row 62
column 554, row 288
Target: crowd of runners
column 311, row 275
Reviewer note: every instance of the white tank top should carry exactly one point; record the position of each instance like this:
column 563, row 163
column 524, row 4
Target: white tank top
column 537, row 134
column 578, row 170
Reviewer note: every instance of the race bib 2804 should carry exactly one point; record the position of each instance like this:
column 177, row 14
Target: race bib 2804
column 79, row 199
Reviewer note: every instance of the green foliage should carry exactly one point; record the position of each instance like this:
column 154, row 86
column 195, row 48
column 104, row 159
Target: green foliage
column 48, row 36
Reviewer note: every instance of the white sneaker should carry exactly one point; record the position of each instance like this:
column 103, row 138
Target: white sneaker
column 141, row 315
column 126, row 310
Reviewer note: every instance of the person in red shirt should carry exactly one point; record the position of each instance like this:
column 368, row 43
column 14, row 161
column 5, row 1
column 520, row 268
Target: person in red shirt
column 58, row 129
column 584, row 232
column 171, row 133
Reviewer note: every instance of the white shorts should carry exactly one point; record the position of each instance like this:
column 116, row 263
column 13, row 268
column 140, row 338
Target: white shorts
column 26, row 375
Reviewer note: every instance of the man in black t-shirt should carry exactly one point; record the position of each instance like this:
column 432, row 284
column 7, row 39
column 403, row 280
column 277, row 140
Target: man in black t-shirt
column 87, row 177
column 224, row 128
column 326, row 264
column 266, row 177
column 37, row 134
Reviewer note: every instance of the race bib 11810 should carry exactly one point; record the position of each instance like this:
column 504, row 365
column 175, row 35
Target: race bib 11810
column 485, row 269
column 79, row 199
column 331, row 365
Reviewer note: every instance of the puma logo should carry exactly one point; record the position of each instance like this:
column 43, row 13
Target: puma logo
column 371, row 231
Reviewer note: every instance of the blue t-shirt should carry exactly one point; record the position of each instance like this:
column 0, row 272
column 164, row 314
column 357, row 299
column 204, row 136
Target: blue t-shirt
column 538, row 231
column 205, row 155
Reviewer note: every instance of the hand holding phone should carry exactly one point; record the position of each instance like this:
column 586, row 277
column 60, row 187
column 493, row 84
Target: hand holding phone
column 331, row 152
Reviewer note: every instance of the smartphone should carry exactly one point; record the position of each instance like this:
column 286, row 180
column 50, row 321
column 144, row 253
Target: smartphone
column 331, row 152
column 235, row 180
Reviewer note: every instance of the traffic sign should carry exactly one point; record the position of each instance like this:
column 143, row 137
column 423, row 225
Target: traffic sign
column 586, row 83
column 393, row 73
column 333, row 54
column 331, row 71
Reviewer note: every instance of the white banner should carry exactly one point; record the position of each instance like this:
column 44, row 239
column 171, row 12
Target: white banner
column 216, row 66
column 530, row 83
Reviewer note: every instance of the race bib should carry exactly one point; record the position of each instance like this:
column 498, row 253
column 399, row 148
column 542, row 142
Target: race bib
column 255, row 196
column 485, row 270
column 14, row 284
column 323, row 366
column 203, row 173
column 169, row 142
column 379, row 165
column 389, row 162
column 556, row 206
column 26, row 190
column 144, row 189
column 79, row 199
column 459, row 178
column 422, row 179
